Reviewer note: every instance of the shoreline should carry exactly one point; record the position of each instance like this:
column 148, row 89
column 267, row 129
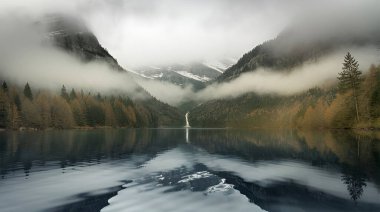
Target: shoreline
column 29, row 129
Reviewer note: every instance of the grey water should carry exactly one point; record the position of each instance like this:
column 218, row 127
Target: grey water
column 189, row 170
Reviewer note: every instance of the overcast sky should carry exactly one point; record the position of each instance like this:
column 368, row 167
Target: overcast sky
column 153, row 32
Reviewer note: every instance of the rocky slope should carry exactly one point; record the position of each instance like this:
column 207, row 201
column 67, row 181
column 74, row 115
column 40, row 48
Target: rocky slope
column 194, row 74
column 72, row 35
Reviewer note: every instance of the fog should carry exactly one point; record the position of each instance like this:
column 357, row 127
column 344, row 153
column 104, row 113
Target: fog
column 309, row 75
column 145, row 32
column 46, row 67
column 142, row 32
column 168, row 92
column 321, row 73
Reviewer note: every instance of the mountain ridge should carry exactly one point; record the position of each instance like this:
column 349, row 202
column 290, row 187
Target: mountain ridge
column 286, row 51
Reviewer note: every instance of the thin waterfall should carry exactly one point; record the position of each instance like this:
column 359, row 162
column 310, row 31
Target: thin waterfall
column 187, row 119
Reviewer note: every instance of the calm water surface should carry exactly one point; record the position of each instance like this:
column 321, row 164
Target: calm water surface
column 188, row 170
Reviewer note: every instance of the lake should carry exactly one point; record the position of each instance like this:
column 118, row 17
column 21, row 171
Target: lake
column 189, row 170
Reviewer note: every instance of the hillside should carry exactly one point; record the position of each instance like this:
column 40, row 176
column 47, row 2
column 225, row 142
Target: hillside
column 316, row 108
column 72, row 36
column 196, row 74
column 295, row 46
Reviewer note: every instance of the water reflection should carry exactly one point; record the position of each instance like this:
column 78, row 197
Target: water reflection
column 187, row 135
column 355, row 180
column 219, row 170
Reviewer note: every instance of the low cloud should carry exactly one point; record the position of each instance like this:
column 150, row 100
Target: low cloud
column 309, row 75
column 266, row 81
column 144, row 33
column 50, row 68
column 168, row 92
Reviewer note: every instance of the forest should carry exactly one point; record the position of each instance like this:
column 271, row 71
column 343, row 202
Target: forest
column 324, row 107
column 21, row 108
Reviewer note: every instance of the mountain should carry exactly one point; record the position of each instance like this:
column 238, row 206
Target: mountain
column 193, row 74
column 72, row 36
column 297, row 45
column 317, row 108
column 323, row 107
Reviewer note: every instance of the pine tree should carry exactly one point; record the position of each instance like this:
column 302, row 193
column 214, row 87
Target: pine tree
column 28, row 92
column 17, row 101
column 78, row 109
column 64, row 93
column 5, row 87
column 73, row 95
column 349, row 79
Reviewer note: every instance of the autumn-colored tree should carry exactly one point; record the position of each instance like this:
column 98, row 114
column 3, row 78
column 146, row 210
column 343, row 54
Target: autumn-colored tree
column 22, row 108
column 4, row 107
column 14, row 118
column 43, row 102
column 119, row 109
column 30, row 114
column 130, row 115
column 110, row 119
column 61, row 114
column 78, row 110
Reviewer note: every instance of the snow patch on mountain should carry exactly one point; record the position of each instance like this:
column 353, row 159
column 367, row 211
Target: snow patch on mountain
column 220, row 66
column 193, row 76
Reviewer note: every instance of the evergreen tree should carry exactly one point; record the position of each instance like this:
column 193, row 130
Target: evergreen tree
column 4, row 106
column 17, row 101
column 64, row 93
column 5, row 87
column 28, row 92
column 73, row 95
column 349, row 79
column 78, row 109
column 99, row 97
column 355, row 181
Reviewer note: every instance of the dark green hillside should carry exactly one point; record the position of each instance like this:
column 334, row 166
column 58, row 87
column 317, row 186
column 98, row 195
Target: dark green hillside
column 292, row 48
column 326, row 107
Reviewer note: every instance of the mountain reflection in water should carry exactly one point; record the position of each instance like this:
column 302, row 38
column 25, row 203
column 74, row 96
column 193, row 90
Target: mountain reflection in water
column 189, row 169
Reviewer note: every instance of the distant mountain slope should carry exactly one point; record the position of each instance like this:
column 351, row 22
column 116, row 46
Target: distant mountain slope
column 194, row 74
column 294, row 46
column 317, row 108
column 73, row 36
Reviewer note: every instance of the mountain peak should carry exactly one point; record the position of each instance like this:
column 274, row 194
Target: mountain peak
column 71, row 34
